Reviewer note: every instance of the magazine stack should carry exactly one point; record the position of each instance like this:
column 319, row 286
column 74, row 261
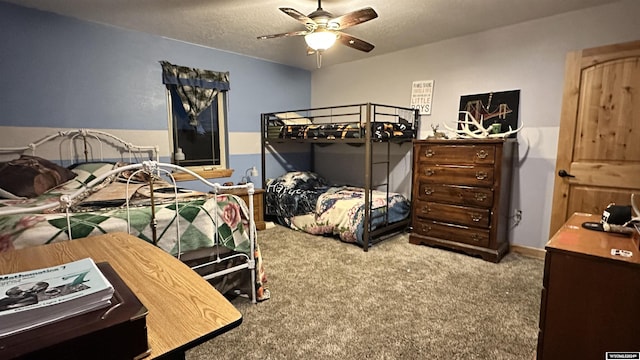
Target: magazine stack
column 39, row 297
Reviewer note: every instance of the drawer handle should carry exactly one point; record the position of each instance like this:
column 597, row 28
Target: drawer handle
column 429, row 153
column 429, row 172
column 426, row 228
column 481, row 196
column 425, row 210
column 475, row 237
column 476, row 217
column 482, row 154
column 429, row 191
column 481, row 175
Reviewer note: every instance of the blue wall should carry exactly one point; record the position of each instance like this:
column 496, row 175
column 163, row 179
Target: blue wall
column 60, row 72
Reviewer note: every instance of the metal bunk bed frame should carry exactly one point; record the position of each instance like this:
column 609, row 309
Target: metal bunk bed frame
column 371, row 111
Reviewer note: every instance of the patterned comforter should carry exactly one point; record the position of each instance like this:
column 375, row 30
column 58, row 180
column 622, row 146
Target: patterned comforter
column 196, row 223
column 340, row 211
column 304, row 201
column 333, row 131
column 201, row 217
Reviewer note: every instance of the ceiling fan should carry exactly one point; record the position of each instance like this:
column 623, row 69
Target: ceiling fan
column 323, row 29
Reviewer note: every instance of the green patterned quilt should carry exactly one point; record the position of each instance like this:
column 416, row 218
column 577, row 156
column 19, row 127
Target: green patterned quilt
column 199, row 221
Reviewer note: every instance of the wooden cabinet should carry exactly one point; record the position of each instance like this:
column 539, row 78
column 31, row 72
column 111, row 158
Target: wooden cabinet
column 258, row 207
column 461, row 195
column 590, row 301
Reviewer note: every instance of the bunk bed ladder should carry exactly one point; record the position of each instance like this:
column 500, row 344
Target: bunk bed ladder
column 384, row 227
column 368, row 157
column 385, row 215
column 369, row 187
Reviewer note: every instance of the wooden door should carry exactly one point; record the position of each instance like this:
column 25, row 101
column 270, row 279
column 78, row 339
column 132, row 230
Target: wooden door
column 598, row 159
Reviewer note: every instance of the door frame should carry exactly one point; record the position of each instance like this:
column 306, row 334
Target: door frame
column 576, row 62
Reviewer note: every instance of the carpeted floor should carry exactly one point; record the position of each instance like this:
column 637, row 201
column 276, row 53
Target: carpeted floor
column 332, row 300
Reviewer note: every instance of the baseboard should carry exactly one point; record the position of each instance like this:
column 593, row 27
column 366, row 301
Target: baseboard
column 528, row 251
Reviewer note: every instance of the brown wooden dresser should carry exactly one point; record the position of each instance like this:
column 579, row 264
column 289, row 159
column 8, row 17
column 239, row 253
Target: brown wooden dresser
column 461, row 195
column 590, row 301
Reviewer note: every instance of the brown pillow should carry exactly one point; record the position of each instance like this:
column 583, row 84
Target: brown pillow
column 30, row 176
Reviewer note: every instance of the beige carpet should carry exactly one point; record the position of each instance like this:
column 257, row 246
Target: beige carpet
column 332, row 300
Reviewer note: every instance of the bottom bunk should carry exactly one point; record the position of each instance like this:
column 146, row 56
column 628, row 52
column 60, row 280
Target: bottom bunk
column 307, row 202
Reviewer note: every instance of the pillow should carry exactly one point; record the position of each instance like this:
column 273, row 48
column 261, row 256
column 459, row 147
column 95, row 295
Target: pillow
column 302, row 180
column 4, row 194
column 291, row 118
column 88, row 171
column 30, row 176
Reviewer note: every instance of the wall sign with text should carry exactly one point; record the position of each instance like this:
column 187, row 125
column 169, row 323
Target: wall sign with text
column 421, row 96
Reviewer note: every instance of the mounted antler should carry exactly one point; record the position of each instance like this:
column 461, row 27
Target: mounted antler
column 437, row 134
column 480, row 131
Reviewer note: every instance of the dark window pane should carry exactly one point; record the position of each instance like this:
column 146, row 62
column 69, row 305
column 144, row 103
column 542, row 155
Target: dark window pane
column 200, row 144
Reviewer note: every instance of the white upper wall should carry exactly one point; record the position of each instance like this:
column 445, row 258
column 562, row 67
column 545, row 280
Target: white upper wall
column 528, row 56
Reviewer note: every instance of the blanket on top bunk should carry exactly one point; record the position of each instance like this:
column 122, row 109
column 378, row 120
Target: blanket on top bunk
column 332, row 131
column 304, row 201
column 102, row 209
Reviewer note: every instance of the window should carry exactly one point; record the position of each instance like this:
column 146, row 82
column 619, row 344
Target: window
column 203, row 146
column 197, row 104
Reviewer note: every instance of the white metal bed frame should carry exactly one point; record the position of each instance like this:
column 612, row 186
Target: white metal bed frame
column 153, row 168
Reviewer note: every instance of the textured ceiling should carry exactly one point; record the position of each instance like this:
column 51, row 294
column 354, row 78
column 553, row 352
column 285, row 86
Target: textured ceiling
column 234, row 25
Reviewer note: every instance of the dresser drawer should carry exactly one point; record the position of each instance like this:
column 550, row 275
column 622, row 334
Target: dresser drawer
column 455, row 194
column 451, row 232
column 462, row 154
column 475, row 175
column 453, row 213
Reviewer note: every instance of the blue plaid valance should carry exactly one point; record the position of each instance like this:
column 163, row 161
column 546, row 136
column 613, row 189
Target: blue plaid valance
column 197, row 88
column 186, row 76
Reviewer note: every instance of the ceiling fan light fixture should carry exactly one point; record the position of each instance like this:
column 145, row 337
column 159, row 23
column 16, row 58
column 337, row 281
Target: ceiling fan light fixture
column 323, row 29
column 320, row 40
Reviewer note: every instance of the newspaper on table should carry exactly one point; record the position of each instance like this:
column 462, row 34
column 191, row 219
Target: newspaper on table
column 38, row 297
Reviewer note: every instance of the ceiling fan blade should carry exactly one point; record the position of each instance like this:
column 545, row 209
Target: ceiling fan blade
column 288, row 34
column 298, row 16
column 354, row 42
column 352, row 18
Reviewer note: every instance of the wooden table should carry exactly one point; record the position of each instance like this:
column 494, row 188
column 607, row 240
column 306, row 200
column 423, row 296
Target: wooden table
column 590, row 298
column 184, row 309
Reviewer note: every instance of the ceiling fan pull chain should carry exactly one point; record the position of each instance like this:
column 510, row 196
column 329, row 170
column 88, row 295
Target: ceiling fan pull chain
column 319, row 58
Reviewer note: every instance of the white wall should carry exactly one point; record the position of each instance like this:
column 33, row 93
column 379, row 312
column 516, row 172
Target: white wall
column 528, row 56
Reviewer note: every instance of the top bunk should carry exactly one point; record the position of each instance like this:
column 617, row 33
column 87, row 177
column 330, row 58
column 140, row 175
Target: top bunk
column 355, row 124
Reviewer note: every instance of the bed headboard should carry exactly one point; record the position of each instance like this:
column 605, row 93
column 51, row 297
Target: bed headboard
column 83, row 145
